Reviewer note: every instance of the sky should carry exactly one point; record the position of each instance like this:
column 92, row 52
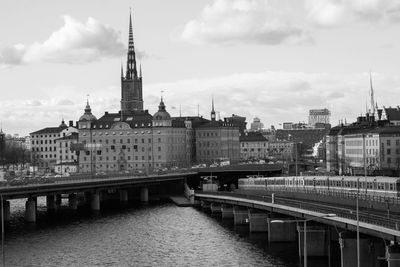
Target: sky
column 271, row 59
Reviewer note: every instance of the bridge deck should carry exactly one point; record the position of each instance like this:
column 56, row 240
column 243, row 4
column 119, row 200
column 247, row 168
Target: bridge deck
column 345, row 219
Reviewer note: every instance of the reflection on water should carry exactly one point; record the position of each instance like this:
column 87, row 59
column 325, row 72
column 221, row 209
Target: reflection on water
column 159, row 234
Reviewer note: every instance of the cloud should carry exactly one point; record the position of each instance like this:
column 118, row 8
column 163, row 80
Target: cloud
column 75, row 43
column 329, row 13
column 65, row 102
column 33, row 103
column 244, row 21
column 276, row 97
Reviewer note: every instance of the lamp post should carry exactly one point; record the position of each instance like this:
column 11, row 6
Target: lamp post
column 305, row 231
column 358, row 221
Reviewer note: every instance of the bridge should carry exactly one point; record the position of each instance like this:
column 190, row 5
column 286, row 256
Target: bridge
column 91, row 190
column 379, row 233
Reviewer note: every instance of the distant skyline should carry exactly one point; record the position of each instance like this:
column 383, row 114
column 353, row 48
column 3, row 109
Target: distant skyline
column 274, row 60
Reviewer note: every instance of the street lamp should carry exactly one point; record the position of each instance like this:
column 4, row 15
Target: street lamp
column 305, row 230
column 358, row 220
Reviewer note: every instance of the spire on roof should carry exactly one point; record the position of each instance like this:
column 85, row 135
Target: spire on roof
column 371, row 95
column 212, row 110
column 131, row 71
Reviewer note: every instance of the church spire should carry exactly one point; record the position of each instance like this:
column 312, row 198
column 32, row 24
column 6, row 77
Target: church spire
column 131, row 72
column 212, row 110
column 372, row 95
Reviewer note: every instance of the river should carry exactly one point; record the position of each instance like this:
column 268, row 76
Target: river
column 158, row 234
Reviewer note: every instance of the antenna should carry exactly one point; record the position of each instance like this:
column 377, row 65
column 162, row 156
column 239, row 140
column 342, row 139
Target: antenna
column 198, row 110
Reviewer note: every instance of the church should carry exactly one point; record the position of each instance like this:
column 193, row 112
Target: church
column 133, row 139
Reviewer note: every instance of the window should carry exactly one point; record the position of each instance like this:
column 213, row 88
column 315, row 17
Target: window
column 388, row 151
column 388, row 142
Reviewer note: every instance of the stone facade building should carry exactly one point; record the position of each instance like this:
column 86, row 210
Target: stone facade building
column 44, row 147
column 253, row 146
column 217, row 141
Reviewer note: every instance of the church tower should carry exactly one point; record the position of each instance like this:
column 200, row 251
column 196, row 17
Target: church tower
column 131, row 83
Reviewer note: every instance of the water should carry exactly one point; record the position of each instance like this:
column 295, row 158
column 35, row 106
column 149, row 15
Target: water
column 154, row 235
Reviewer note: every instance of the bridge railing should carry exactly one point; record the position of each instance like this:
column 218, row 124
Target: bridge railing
column 343, row 212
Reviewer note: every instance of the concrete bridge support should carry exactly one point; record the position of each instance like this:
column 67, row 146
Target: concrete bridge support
column 205, row 205
column 226, row 211
column 51, row 203
column 370, row 250
column 240, row 215
column 144, row 195
column 6, row 210
column 73, row 201
column 393, row 255
column 258, row 221
column 58, row 201
column 123, row 196
column 215, row 208
column 95, row 201
column 318, row 241
column 30, row 210
column 281, row 231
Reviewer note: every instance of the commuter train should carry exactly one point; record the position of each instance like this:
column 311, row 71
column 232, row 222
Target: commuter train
column 371, row 186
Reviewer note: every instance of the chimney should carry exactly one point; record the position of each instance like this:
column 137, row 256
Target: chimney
column 71, row 123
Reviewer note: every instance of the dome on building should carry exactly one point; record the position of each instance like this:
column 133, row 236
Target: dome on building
column 87, row 116
column 161, row 114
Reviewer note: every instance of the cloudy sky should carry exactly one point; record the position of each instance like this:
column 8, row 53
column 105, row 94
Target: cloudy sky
column 258, row 58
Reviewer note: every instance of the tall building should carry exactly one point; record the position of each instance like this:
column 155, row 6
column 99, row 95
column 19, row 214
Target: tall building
column 131, row 83
column 318, row 116
column 256, row 125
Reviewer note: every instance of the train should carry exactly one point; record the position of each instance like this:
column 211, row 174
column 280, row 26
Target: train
column 366, row 185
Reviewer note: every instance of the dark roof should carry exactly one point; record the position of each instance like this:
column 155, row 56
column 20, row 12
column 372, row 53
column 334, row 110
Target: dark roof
column 196, row 121
column 218, row 124
column 50, row 130
column 345, row 130
column 252, row 137
column 392, row 114
column 135, row 119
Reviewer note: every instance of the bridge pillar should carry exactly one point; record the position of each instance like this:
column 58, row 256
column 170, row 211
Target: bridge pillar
column 205, row 205
column 226, row 211
column 370, row 250
column 6, row 210
column 281, row 231
column 144, row 195
column 258, row 221
column 393, row 255
column 73, row 201
column 50, row 203
column 123, row 196
column 58, row 200
column 317, row 241
column 30, row 210
column 95, row 201
column 240, row 215
column 215, row 208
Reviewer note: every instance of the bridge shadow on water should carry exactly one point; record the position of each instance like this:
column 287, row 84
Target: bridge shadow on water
column 279, row 253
